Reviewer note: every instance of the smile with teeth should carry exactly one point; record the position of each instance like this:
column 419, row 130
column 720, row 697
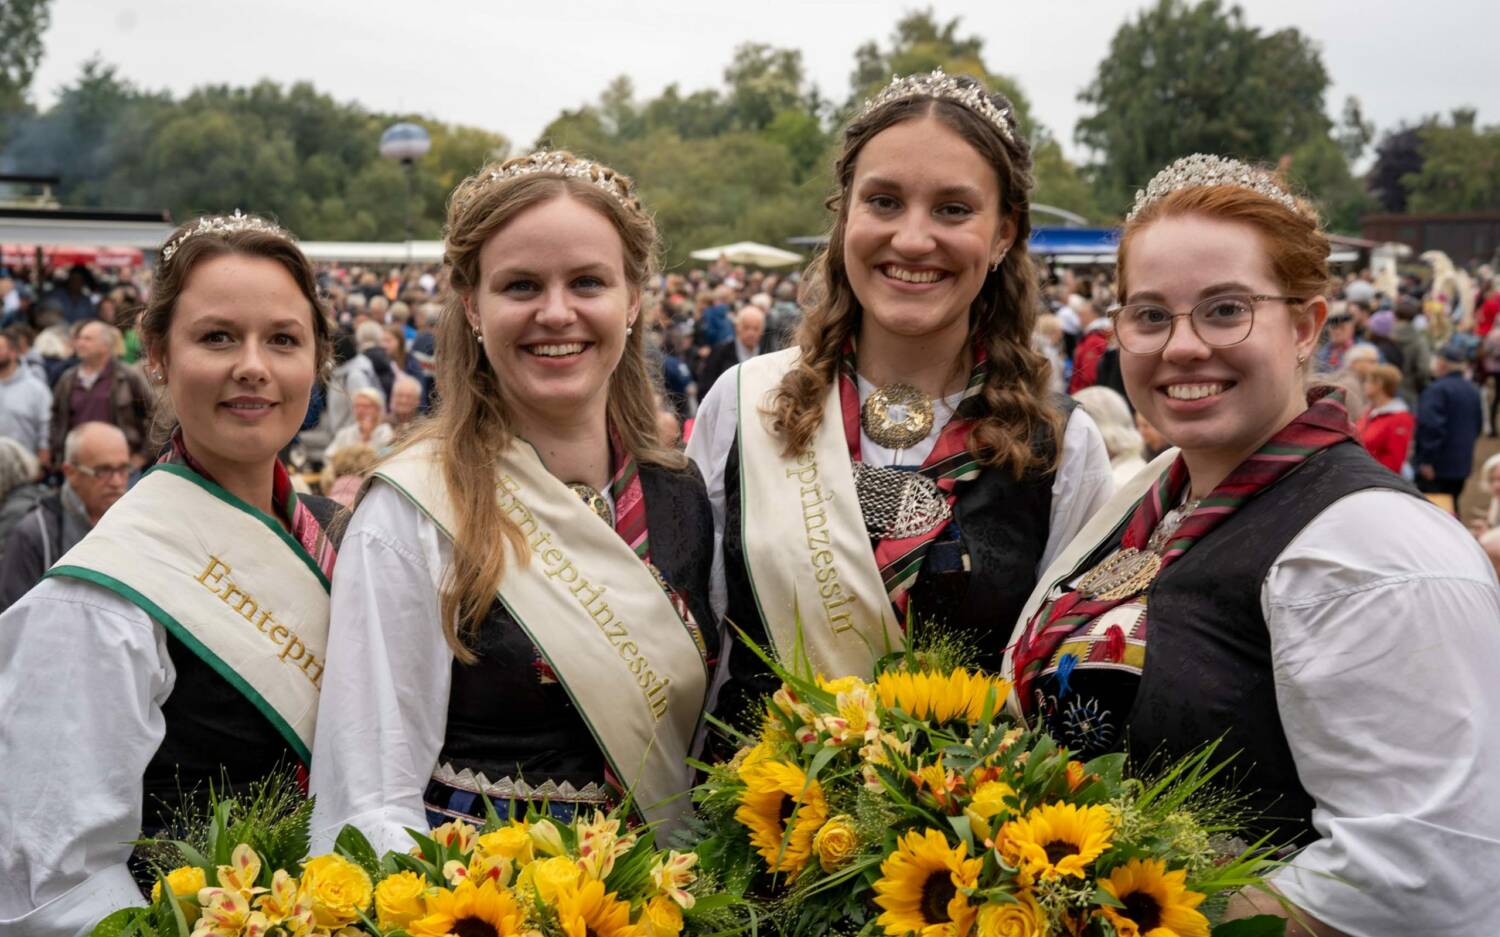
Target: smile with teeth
column 561, row 350
column 912, row 276
column 248, row 406
column 1194, row 391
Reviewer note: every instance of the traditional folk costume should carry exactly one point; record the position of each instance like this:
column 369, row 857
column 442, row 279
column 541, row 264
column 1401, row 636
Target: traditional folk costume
column 1337, row 632
column 851, row 537
column 593, row 664
column 182, row 642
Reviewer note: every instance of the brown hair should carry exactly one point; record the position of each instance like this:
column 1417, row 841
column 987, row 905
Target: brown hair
column 1388, row 376
column 193, row 246
column 1019, row 417
column 473, row 423
column 1294, row 241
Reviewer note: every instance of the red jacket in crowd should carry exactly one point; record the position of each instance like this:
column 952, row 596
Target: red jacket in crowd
column 1387, row 433
column 1091, row 348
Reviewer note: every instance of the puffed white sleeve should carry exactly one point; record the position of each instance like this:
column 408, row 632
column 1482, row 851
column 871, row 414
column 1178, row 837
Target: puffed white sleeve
column 83, row 676
column 383, row 711
column 1384, row 617
column 714, row 431
column 1084, row 481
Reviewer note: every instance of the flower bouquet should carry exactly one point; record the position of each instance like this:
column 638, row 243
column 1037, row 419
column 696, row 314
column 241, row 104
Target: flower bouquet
column 910, row 805
column 248, row 875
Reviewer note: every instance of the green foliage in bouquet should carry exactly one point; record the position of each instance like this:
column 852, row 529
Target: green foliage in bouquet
column 910, row 804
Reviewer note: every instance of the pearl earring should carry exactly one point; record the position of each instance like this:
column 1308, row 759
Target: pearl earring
column 479, row 336
column 629, row 330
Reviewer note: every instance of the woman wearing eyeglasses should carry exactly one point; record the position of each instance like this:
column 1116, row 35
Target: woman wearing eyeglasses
column 181, row 643
column 1269, row 584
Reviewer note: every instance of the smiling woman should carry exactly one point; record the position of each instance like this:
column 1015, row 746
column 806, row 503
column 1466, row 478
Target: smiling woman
column 1270, row 586
column 520, row 610
column 194, row 612
column 907, row 446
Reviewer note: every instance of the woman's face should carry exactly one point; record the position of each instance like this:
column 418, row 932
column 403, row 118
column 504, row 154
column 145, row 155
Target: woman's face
column 366, row 413
column 240, row 360
column 553, row 304
column 923, row 227
column 390, row 344
column 1223, row 402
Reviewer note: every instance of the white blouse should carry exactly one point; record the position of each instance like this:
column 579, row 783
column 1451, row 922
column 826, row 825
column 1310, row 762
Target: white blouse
column 383, row 713
column 83, row 676
column 1084, row 480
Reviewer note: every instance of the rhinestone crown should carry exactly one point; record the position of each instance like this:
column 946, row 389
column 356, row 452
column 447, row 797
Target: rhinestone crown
column 1204, row 170
column 935, row 84
column 222, row 224
column 548, row 161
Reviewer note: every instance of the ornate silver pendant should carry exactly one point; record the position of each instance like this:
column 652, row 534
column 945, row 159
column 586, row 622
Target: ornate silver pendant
column 898, row 504
column 1122, row 574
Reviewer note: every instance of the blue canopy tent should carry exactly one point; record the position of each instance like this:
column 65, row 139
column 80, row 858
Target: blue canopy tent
column 1055, row 242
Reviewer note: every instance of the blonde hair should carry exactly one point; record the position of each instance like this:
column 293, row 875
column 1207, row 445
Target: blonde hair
column 473, row 422
column 1019, row 415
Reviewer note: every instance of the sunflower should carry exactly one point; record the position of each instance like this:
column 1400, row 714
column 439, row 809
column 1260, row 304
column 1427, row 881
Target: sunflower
column 939, row 698
column 1157, row 904
column 586, row 910
column 469, row 911
column 1057, row 839
column 773, row 791
column 919, row 887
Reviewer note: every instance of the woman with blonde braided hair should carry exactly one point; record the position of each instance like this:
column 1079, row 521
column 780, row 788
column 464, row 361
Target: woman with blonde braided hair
column 905, row 461
column 524, row 614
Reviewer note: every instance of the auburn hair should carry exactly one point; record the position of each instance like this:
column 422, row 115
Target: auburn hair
column 473, row 423
column 1019, row 420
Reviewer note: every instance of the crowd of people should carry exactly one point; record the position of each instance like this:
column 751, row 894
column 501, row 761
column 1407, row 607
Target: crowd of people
column 924, row 425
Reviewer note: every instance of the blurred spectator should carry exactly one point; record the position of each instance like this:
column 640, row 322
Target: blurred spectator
column 100, row 389
column 346, row 472
column 25, row 404
column 749, row 326
column 1121, row 439
column 1416, row 351
column 677, row 377
column 19, row 490
column 1449, row 420
column 370, row 338
column 368, row 427
column 783, row 319
column 1338, row 338
column 1386, row 428
column 1047, row 338
column 1097, row 329
column 406, row 406
column 22, row 338
column 1153, row 442
column 1382, row 327
column 1489, row 480
column 54, row 349
column 74, row 296
column 96, row 467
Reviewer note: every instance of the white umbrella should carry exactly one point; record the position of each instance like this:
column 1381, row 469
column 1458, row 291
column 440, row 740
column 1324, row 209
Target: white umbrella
column 749, row 252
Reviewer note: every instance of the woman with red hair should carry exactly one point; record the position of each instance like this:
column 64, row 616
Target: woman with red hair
column 1249, row 589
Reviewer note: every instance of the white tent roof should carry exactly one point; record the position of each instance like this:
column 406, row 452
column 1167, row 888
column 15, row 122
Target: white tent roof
column 749, row 252
column 84, row 232
column 396, row 252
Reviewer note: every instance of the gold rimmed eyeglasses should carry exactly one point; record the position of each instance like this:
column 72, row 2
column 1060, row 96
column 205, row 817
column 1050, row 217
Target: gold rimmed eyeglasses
column 1219, row 321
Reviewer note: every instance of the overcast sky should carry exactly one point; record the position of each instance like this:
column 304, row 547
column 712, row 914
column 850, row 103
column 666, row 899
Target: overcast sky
column 511, row 67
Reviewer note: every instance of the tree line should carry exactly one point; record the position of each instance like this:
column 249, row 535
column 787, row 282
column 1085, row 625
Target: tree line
column 750, row 159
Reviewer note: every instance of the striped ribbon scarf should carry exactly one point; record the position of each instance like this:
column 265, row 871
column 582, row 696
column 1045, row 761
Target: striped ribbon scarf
column 304, row 526
column 950, row 462
column 630, row 524
column 1324, row 423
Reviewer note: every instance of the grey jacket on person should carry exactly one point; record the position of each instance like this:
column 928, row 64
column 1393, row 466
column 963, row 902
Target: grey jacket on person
column 52, row 528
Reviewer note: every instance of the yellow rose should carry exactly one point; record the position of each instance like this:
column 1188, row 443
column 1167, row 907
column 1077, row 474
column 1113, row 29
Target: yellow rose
column 185, row 881
column 509, row 842
column 661, row 918
column 398, row 899
column 1022, row 919
column 339, row 890
column 835, row 842
column 550, row 876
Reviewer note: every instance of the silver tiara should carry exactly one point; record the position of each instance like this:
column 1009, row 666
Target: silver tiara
column 935, row 84
column 1202, row 170
column 222, row 224
column 547, row 161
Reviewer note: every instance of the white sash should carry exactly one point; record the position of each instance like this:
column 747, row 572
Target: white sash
column 1110, row 516
column 223, row 578
column 598, row 616
column 806, row 547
